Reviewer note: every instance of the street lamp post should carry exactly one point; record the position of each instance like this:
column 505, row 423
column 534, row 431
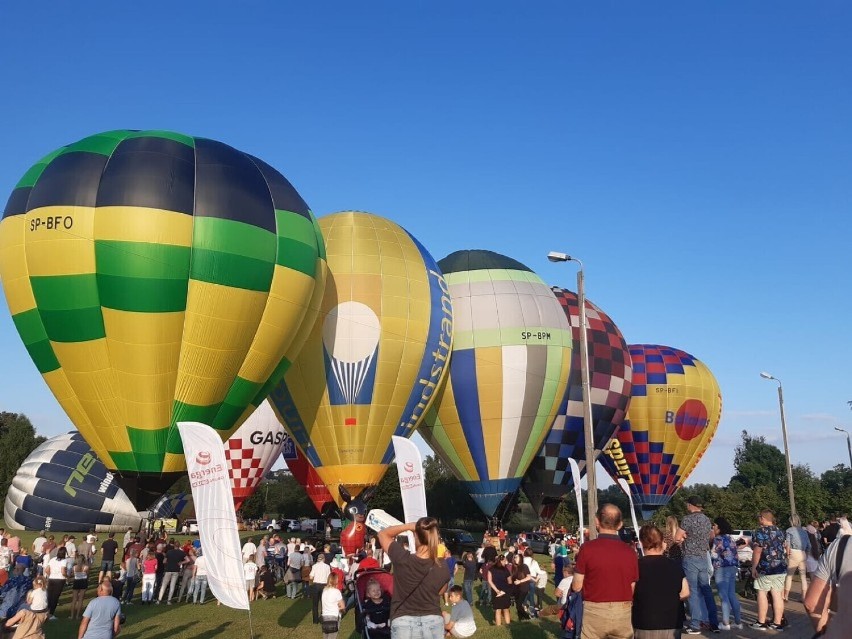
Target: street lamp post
column 591, row 476
column 848, row 442
column 786, row 447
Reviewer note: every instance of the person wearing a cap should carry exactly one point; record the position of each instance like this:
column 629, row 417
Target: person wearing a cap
column 696, row 566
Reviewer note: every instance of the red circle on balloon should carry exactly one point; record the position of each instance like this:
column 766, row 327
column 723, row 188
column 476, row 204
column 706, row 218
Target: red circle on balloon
column 691, row 419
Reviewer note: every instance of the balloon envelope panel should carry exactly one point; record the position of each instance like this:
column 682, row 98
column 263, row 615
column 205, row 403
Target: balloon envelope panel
column 308, row 477
column 62, row 485
column 675, row 408
column 549, row 476
column 375, row 356
column 508, row 372
column 251, row 451
column 155, row 278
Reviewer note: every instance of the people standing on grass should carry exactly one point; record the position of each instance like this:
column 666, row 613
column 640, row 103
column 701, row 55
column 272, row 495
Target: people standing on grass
column 109, row 548
column 132, row 576
column 662, row 586
column 102, row 616
column 318, row 578
column 332, row 608
column 79, row 585
column 419, row 580
column 725, row 568
column 521, row 581
column 149, row 578
column 673, row 540
column 469, row 566
column 57, row 574
column 500, row 584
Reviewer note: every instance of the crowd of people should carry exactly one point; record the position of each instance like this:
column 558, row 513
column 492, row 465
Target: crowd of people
column 657, row 588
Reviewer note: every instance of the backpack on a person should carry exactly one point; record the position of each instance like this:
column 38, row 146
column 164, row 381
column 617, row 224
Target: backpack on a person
column 571, row 617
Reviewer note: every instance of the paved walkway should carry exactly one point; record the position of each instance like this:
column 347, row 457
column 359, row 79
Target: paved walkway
column 800, row 625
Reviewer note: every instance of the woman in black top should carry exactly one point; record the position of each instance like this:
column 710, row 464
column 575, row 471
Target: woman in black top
column 659, row 591
column 419, row 580
column 520, row 585
column 499, row 580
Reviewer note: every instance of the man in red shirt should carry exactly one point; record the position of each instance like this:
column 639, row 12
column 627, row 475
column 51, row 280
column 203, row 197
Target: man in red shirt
column 367, row 561
column 607, row 571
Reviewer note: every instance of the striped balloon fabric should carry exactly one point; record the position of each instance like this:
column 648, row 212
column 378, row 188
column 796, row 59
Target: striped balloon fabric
column 156, row 277
column 63, row 486
column 508, row 372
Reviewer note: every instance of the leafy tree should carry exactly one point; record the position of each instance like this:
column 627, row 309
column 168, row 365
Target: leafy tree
column 758, row 463
column 387, row 495
column 255, row 506
column 287, row 499
column 17, row 441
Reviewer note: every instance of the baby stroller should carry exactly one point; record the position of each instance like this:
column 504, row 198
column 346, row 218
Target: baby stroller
column 373, row 620
column 745, row 582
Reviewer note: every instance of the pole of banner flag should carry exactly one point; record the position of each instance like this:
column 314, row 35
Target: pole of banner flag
column 626, row 488
column 251, row 627
column 578, row 493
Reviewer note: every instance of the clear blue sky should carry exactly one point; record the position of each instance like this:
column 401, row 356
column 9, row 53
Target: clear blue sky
column 696, row 155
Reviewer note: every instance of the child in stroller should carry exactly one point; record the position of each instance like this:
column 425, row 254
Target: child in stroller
column 373, row 591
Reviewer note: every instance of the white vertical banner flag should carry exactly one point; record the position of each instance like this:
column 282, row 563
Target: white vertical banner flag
column 412, row 486
column 626, row 488
column 578, row 493
column 214, row 510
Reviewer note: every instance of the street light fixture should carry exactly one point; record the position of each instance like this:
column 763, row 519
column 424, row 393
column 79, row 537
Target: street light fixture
column 591, row 476
column 848, row 442
column 765, row 375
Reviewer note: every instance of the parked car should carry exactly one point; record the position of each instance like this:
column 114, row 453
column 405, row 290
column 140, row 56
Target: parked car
column 459, row 541
column 290, row 525
column 742, row 534
column 271, row 525
column 191, row 525
column 539, row 542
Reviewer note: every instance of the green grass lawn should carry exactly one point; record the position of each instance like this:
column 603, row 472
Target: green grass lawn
column 271, row 619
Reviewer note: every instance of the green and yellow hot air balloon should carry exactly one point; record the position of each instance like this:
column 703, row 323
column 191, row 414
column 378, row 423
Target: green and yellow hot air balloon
column 156, row 277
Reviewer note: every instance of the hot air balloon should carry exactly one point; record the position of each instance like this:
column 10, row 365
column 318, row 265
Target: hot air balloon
column 172, row 506
column 508, row 373
column 307, row 476
column 251, row 451
column 62, row 485
column 675, row 408
column 154, row 278
column 375, row 356
column 549, row 476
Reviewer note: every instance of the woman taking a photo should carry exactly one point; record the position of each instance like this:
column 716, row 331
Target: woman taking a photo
column 419, row 580
column 499, row 580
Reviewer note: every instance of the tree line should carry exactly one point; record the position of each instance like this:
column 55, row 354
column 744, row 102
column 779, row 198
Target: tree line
column 759, row 481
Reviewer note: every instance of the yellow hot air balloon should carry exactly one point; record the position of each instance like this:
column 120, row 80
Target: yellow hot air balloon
column 675, row 408
column 156, row 277
column 377, row 353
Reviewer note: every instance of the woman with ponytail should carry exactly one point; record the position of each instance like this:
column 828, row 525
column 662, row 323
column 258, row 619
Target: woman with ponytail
column 419, row 580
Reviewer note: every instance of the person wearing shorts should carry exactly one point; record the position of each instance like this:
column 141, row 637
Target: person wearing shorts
column 769, row 569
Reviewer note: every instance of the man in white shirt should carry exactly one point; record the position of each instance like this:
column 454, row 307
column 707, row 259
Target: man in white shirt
column 128, row 539
column 318, row 578
column 535, row 571
column 38, row 546
column 71, row 547
column 249, row 549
